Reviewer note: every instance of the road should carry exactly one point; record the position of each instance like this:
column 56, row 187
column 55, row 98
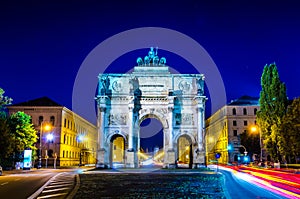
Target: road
column 238, row 188
column 22, row 185
column 45, row 183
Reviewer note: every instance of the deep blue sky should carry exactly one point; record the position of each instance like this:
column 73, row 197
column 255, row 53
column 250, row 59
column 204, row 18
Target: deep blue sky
column 43, row 43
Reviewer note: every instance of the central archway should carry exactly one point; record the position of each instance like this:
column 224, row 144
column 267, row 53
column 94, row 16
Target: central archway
column 151, row 142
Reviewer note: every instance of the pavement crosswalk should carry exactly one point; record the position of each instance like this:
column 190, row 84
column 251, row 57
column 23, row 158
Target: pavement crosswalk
column 59, row 187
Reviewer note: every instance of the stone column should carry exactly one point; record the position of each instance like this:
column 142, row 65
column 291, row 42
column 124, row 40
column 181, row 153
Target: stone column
column 131, row 126
column 199, row 155
column 131, row 153
column 170, row 153
column 200, row 127
column 101, row 122
column 101, row 162
column 170, row 113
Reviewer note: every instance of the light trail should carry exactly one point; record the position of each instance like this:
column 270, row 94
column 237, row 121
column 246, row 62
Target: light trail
column 282, row 183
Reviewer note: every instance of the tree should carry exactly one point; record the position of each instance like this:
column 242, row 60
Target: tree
column 4, row 100
column 22, row 132
column 290, row 129
column 5, row 143
column 273, row 103
column 5, row 137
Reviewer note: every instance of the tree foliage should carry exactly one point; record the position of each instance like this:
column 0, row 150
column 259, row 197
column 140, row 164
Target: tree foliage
column 16, row 133
column 6, row 148
column 22, row 131
column 273, row 103
column 290, row 128
column 4, row 100
column 5, row 141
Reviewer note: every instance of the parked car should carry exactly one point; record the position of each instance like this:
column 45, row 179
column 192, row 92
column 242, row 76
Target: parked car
column 0, row 171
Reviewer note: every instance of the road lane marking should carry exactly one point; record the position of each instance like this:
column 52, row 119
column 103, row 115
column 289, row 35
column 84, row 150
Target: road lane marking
column 59, row 185
column 51, row 196
column 33, row 196
column 53, row 190
column 4, row 183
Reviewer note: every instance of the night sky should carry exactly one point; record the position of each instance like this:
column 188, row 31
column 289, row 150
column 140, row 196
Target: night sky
column 44, row 43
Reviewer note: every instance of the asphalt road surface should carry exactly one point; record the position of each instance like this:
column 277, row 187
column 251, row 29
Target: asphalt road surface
column 238, row 188
column 22, row 185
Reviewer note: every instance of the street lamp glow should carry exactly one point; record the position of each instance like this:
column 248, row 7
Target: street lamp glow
column 50, row 137
column 253, row 129
column 47, row 127
column 80, row 138
column 44, row 127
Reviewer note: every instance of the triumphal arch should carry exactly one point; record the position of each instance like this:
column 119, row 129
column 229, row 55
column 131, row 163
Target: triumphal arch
column 150, row 91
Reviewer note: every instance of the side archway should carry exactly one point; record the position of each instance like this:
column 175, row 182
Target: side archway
column 117, row 145
column 184, row 151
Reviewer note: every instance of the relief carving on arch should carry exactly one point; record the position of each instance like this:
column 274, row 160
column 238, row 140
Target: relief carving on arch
column 184, row 119
column 117, row 119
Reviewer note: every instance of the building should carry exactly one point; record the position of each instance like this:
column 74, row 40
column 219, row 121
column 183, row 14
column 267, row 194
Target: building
column 223, row 129
column 69, row 140
column 151, row 91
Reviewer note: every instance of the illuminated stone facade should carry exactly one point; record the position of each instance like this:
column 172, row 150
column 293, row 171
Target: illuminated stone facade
column 224, row 128
column 74, row 138
column 150, row 91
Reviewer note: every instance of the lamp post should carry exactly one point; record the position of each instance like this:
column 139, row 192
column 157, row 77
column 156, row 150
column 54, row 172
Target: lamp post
column 245, row 152
column 80, row 139
column 256, row 129
column 47, row 128
column 49, row 139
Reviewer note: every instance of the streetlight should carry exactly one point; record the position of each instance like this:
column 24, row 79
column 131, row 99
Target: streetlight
column 46, row 127
column 49, row 139
column 80, row 139
column 245, row 150
column 255, row 129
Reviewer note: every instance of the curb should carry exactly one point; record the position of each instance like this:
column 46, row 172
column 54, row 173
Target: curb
column 74, row 191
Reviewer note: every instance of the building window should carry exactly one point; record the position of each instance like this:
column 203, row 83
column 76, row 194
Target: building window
column 233, row 111
column 234, row 122
column 68, row 124
column 244, row 111
column 63, row 154
column 52, row 120
column 41, row 118
column 65, row 123
column 245, row 123
column 234, row 132
column 64, row 138
column 255, row 110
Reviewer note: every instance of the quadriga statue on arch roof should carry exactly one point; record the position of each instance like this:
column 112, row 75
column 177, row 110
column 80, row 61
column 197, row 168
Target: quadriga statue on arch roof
column 151, row 59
